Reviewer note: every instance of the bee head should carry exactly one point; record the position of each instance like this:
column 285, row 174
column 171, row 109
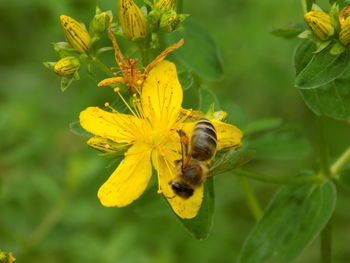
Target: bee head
column 181, row 189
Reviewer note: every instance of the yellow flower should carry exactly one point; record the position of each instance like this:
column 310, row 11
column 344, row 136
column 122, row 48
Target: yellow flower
column 131, row 19
column 75, row 34
column 151, row 133
column 320, row 24
column 166, row 5
column 66, row 66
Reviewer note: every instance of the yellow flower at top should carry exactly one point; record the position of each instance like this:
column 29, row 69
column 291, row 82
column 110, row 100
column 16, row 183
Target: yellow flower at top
column 151, row 133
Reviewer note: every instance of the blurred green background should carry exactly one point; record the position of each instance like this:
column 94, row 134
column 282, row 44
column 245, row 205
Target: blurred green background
column 49, row 211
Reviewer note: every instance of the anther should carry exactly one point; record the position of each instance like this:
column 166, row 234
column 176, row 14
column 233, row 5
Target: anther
column 106, row 104
column 116, row 89
column 159, row 192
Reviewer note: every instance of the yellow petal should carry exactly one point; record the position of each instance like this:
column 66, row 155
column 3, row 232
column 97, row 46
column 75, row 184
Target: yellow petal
column 129, row 180
column 162, row 95
column 121, row 128
column 229, row 136
column 184, row 208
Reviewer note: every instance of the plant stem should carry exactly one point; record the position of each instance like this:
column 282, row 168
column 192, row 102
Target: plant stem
column 51, row 219
column 278, row 179
column 323, row 148
column 179, row 6
column 326, row 244
column 144, row 53
column 341, row 161
column 251, row 199
column 102, row 66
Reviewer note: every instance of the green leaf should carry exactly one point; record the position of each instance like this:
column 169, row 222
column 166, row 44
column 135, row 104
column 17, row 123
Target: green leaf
column 309, row 4
column 281, row 144
column 63, row 49
column 322, row 69
column 66, row 82
column 332, row 100
column 303, row 54
column 341, row 3
column 186, row 80
column 199, row 53
column 200, row 225
column 292, row 220
column 262, row 125
column 231, row 160
column 76, row 128
column 49, row 65
column 287, row 33
column 344, row 178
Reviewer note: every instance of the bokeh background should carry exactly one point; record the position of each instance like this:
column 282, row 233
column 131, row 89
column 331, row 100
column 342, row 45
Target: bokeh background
column 49, row 211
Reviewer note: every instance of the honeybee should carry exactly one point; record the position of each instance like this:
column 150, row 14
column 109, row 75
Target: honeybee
column 192, row 169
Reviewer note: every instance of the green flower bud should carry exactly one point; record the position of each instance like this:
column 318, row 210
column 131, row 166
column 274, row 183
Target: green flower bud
column 166, row 5
column 320, row 24
column 66, row 67
column 75, row 34
column 132, row 20
column 153, row 18
column 170, row 21
column 100, row 23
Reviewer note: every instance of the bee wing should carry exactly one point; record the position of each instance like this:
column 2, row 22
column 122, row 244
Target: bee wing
column 231, row 160
column 184, row 141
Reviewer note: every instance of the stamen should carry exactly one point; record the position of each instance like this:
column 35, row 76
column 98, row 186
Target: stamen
column 157, row 168
column 126, row 104
column 110, row 107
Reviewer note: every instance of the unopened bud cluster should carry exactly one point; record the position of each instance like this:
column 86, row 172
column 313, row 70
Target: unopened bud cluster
column 332, row 25
column 137, row 25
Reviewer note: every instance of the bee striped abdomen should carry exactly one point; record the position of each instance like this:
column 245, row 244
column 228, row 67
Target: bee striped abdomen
column 203, row 141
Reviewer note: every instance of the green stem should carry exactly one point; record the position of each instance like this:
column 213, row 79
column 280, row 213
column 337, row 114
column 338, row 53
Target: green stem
column 323, row 148
column 251, row 199
column 278, row 179
column 326, row 244
column 102, row 66
column 144, row 53
column 51, row 219
column 340, row 162
column 304, row 6
column 179, row 6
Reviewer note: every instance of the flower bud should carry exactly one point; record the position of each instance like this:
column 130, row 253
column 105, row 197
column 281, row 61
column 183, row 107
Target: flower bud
column 344, row 20
column 132, row 20
column 170, row 21
column 100, row 23
column 75, row 34
column 166, row 5
column 6, row 257
column 320, row 24
column 66, row 67
column 106, row 146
